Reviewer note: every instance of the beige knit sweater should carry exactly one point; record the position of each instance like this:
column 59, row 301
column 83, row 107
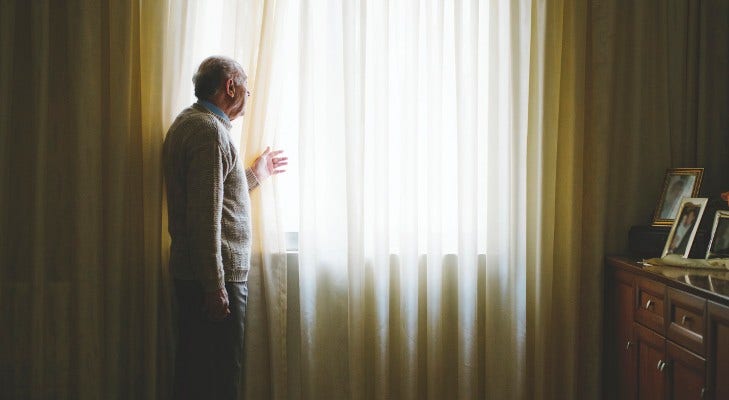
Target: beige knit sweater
column 207, row 200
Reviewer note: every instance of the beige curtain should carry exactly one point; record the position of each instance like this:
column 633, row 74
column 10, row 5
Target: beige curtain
column 562, row 293
column 659, row 93
column 82, row 284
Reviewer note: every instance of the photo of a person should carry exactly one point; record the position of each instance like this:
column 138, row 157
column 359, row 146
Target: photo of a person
column 719, row 247
column 684, row 227
column 679, row 184
column 679, row 187
column 683, row 230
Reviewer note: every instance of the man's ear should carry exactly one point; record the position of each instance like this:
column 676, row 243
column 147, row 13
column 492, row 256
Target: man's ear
column 230, row 88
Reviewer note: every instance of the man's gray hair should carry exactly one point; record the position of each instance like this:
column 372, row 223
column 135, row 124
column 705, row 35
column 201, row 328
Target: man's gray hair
column 212, row 72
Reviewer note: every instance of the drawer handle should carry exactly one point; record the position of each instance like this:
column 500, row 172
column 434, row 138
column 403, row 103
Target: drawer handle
column 628, row 345
column 684, row 319
column 703, row 392
column 648, row 304
column 661, row 365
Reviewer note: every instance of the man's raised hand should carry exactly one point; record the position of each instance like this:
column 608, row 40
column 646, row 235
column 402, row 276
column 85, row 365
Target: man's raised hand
column 268, row 164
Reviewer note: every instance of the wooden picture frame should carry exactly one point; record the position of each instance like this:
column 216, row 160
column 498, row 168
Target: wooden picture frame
column 678, row 184
column 719, row 243
column 685, row 226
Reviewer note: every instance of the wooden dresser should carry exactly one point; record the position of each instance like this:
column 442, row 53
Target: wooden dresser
column 666, row 332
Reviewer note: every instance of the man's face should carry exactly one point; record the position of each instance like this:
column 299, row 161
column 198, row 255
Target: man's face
column 240, row 101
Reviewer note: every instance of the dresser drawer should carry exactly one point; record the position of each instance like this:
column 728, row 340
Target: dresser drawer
column 650, row 307
column 686, row 320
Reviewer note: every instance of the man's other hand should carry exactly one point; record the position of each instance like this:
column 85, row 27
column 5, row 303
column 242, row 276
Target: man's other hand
column 216, row 304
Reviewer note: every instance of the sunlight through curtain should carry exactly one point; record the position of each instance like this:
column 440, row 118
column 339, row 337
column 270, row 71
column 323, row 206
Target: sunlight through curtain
column 414, row 167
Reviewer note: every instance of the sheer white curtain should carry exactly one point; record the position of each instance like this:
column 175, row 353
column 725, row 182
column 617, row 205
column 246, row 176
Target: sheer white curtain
column 413, row 172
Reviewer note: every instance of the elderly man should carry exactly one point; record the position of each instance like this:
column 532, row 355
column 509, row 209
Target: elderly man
column 210, row 227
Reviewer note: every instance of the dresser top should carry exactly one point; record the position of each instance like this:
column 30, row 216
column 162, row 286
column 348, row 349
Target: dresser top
column 709, row 283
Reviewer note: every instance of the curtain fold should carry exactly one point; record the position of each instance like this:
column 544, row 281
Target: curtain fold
column 559, row 263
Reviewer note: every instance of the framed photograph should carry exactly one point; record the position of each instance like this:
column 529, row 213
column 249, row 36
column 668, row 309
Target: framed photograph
column 684, row 227
column 679, row 183
column 719, row 243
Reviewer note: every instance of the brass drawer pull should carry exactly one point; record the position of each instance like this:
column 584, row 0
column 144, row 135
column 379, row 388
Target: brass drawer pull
column 684, row 319
column 628, row 345
column 648, row 304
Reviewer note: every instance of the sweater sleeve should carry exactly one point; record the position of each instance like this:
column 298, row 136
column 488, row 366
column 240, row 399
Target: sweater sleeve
column 205, row 177
column 252, row 180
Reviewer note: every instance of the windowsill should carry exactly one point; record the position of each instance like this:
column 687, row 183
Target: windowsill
column 292, row 242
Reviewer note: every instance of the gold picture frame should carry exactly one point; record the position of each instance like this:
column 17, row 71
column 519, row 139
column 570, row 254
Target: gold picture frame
column 684, row 228
column 719, row 242
column 678, row 184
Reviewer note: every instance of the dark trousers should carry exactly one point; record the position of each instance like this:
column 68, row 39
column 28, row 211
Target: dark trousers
column 209, row 358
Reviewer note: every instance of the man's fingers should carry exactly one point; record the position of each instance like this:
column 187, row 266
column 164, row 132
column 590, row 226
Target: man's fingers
column 217, row 305
column 278, row 171
column 277, row 152
column 268, row 148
